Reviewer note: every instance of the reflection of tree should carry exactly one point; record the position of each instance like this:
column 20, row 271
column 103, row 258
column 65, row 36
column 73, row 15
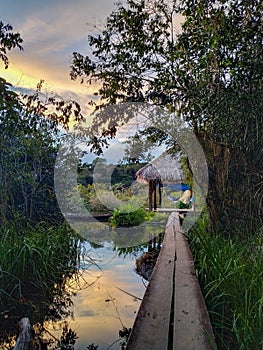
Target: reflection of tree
column 67, row 340
column 44, row 340
column 92, row 347
column 96, row 232
column 146, row 262
column 149, row 250
column 124, row 334
column 129, row 239
column 130, row 251
column 54, row 306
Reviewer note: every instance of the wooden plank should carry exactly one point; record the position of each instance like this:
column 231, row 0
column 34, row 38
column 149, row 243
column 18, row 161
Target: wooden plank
column 172, row 210
column 151, row 326
column 192, row 327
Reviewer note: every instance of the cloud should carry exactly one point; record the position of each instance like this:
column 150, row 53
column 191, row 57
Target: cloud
column 51, row 31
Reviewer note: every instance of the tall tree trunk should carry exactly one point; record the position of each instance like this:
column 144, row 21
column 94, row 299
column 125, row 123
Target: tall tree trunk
column 218, row 160
column 232, row 177
column 218, row 177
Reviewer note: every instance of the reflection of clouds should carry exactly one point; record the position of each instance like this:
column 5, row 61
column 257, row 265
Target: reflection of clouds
column 93, row 298
column 95, row 316
column 86, row 313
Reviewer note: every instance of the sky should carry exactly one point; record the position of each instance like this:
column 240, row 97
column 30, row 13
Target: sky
column 52, row 30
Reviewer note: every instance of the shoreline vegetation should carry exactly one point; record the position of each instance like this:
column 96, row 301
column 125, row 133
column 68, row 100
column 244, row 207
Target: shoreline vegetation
column 229, row 269
column 36, row 263
column 230, row 272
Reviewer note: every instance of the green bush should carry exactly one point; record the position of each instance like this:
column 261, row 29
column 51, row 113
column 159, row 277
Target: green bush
column 129, row 215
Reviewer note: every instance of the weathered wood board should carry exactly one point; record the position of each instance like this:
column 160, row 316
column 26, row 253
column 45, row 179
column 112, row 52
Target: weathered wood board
column 151, row 327
column 192, row 327
column 173, row 300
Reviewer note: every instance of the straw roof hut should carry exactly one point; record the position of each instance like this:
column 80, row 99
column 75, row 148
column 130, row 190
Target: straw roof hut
column 165, row 168
column 149, row 174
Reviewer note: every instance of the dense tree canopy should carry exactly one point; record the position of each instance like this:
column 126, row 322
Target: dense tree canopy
column 30, row 128
column 210, row 74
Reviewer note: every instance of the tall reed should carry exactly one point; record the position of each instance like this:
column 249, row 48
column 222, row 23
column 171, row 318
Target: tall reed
column 230, row 272
column 34, row 259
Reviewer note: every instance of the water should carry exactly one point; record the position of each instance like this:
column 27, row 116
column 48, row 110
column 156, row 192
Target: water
column 101, row 298
column 108, row 297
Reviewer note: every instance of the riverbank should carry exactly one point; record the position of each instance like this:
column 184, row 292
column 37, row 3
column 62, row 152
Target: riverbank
column 230, row 271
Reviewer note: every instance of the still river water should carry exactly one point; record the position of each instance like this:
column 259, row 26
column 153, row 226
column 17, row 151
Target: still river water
column 103, row 306
column 108, row 292
column 100, row 300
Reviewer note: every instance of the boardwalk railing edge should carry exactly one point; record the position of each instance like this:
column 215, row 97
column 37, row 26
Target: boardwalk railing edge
column 173, row 314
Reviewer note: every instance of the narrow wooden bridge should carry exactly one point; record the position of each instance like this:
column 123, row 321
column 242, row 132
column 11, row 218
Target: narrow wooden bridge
column 173, row 314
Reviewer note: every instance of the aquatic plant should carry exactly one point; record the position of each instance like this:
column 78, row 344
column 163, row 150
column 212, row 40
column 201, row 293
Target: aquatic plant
column 129, row 214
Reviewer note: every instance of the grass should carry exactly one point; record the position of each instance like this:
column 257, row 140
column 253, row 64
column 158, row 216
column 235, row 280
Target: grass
column 36, row 264
column 230, row 272
column 33, row 259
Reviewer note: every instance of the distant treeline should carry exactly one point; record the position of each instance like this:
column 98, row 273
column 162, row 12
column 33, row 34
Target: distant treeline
column 122, row 174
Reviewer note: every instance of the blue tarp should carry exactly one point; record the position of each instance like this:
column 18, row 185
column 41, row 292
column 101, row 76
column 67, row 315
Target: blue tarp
column 177, row 187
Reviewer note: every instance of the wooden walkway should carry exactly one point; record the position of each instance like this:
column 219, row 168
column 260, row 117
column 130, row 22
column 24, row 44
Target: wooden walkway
column 173, row 314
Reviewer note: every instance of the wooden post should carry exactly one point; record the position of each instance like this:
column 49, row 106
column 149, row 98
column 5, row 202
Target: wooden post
column 150, row 191
column 160, row 192
column 25, row 336
column 154, row 195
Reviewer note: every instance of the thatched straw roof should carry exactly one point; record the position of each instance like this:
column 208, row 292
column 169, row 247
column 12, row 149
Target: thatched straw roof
column 169, row 167
column 165, row 168
column 147, row 173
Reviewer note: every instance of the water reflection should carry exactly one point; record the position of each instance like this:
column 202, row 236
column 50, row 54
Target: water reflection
column 122, row 237
column 106, row 306
column 94, row 308
column 109, row 304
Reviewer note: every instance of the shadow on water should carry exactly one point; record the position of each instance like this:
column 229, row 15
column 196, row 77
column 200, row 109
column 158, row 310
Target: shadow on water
column 51, row 304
